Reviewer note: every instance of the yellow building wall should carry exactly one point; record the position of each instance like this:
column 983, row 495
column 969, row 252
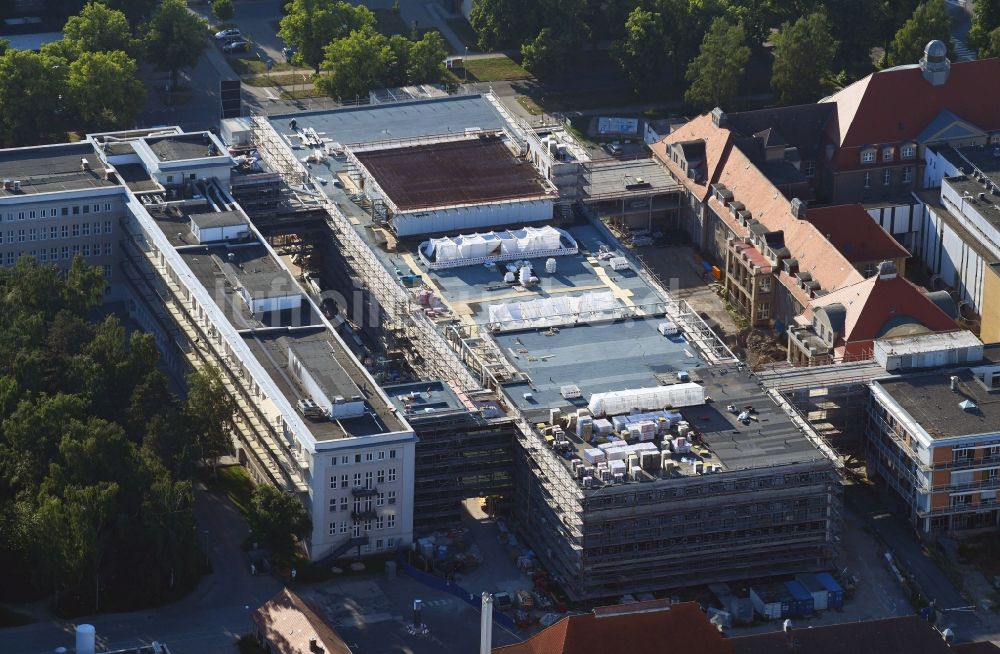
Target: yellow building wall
column 989, row 331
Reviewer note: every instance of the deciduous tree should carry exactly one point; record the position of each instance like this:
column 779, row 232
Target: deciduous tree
column 549, row 54
column 223, row 9
column 803, row 55
column 175, row 38
column 276, row 520
column 643, row 53
column 930, row 21
column 104, row 90
column 716, row 72
column 100, row 29
column 311, row 25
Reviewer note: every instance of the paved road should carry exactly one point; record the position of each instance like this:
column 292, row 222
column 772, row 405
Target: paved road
column 205, row 622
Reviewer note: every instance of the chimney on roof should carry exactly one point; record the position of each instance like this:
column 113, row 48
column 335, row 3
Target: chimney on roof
column 935, row 64
column 798, row 208
column 953, row 382
column 719, row 118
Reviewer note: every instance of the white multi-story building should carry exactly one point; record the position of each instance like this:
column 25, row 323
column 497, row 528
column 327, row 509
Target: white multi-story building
column 153, row 208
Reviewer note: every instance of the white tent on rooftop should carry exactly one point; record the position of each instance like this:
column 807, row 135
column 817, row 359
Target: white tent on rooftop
column 554, row 311
column 614, row 403
column 469, row 249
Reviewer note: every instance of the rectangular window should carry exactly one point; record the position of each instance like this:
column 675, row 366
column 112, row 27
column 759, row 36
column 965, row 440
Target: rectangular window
column 333, row 481
column 379, row 544
column 32, row 234
column 31, row 215
column 11, row 258
column 368, row 479
column 64, row 231
column 333, row 528
column 76, row 230
column 392, row 475
column 54, row 232
column 357, row 458
column 97, row 208
column 868, row 179
column 76, row 211
column 963, row 454
column 107, row 207
column 392, row 454
column 20, row 236
column 76, row 250
column 868, row 156
column 764, row 311
column 64, row 211
column 333, row 461
column 343, row 503
column 357, row 480
column 381, row 500
column 810, row 169
column 65, row 252
column 86, row 208
column 86, row 229
column 391, row 519
column 392, row 497
column 369, row 457
column 907, row 174
column 107, row 249
column 343, row 527
column 907, row 152
column 170, row 179
column 333, row 505
column 343, row 481
column 381, row 476
column 887, row 177
column 887, row 154
column 344, row 460
column 43, row 256
column 107, row 226
column 20, row 215
column 390, row 543
column 86, row 249
column 379, row 523
column 381, row 455
column 107, row 271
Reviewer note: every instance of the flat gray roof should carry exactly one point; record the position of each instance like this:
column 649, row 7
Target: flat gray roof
column 137, row 178
column 51, row 168
column 255, row 270
column 333, row 368
column 210, row 219
column 623, row 179
column 179, row 147
column 930, row 402
column 399, row 120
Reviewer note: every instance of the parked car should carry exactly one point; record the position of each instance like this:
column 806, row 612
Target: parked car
column 228, row 34
column 236, row 46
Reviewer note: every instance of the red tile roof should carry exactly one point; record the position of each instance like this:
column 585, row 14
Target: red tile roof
column 876, row 306
column 850, row 229
column 895, row 105
column 287, row 622
column 905, row 635
column 717, row 145
column 653, row 627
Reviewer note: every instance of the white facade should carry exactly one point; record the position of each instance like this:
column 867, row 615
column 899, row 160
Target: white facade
column 474, row 216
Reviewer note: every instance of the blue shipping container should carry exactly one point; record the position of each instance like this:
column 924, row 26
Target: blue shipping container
column 836, row 596
column 803, row 599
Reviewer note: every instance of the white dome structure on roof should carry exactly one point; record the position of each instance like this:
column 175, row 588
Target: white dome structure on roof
column 507, row 245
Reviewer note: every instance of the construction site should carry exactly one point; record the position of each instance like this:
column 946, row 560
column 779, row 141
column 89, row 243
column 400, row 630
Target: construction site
column 634, row 450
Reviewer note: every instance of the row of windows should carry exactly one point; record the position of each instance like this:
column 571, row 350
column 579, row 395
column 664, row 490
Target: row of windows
column 380, row 476
column 52, row 255
column 56, row 231
column 344, row 501
column 53, row 212
column 381, row 522
column 369, row 457
column 889, row 153
column 906, row 178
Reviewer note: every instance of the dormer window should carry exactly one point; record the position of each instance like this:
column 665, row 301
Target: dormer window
column 995, row 139
column 868, row 156
column 907, row 152
column 886, row 154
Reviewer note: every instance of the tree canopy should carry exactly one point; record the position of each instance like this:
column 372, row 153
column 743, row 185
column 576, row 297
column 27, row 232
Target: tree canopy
column 175, row 38
column 716, row 72
column 276, row 520
column 803, row 56
column 99, row 29
column 366, row 59
column 223, row 9
column 985, row 22
column 96, row 454
column 104, row 90
column 311, row 25
column 930, row 21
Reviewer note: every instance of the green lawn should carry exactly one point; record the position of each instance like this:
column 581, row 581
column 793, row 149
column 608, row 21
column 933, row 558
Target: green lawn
column 280, row 79
column 464, row 31
column 302, row 94
column 530, row 105
column 235, row 483
column 246, row 66
column 495, row 68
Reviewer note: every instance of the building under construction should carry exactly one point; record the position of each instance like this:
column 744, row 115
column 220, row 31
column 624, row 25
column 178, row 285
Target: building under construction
column 644, row 456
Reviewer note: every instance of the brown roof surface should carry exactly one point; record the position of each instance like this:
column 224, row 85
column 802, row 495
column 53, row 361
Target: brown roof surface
column 717, row 143
column 852, row 231
column 467, row 171
column 906, row 635
column 897, row 104
column 653, row 627
column 287, row 622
